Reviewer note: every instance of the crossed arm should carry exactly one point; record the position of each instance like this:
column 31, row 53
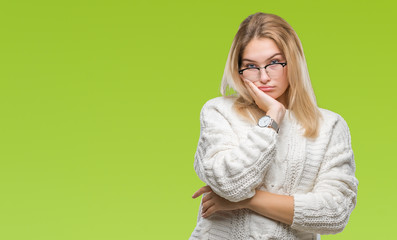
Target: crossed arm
column 235, row 170
column 324, row 210
column 274, row 206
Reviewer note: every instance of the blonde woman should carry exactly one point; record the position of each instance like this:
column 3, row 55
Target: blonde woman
column 275, row 165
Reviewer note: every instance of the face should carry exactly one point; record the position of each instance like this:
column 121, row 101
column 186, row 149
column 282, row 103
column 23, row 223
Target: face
column 259, row 53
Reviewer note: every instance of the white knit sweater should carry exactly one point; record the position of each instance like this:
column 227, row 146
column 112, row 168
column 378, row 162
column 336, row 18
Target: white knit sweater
column 235, row 157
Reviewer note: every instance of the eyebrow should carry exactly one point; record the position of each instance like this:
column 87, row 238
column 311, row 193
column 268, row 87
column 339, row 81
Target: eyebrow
column 249, row 60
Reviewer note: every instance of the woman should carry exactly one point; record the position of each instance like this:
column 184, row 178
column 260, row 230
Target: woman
column 276, row 165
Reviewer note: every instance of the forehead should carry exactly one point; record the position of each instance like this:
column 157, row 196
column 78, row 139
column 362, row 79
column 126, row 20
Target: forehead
column 260, row 49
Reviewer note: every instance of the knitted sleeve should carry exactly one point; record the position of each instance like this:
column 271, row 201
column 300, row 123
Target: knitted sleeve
column 232, row 168
column 327, row 208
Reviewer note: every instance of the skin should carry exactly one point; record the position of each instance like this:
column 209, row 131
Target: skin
column 275, row 206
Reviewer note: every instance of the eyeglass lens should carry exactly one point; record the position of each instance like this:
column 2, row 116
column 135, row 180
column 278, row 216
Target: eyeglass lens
column 272, row 71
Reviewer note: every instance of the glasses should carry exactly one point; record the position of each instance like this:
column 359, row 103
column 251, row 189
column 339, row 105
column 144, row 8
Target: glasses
column 273, row 70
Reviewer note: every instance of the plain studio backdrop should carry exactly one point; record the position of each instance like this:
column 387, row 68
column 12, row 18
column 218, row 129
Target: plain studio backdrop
column 100, row 104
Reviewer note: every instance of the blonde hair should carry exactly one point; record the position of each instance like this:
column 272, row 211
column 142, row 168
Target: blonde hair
column 301, row 100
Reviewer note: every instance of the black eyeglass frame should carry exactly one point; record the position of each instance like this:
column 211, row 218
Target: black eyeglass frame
column 259, row 68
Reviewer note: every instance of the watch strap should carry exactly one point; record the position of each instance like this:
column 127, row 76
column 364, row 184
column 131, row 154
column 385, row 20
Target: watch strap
column 274, row 125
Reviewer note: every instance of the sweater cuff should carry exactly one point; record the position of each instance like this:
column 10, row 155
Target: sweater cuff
column 299, row 209
column 310, row 216
column 265, row 131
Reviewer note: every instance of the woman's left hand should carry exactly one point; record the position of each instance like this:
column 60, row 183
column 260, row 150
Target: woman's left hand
column 212, row 202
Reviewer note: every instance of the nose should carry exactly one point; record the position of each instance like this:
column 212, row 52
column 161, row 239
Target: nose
column 263, row 76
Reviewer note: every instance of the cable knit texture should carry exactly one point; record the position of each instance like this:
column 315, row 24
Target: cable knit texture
column 235, row 157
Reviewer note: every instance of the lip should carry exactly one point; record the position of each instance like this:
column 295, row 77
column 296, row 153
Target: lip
column 266, row 88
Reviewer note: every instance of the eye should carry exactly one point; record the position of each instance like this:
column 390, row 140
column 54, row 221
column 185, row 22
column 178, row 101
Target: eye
column 250, row 65
column 274, row 61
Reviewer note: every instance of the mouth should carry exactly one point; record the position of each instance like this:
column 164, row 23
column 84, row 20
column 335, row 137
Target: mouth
column 266, row 88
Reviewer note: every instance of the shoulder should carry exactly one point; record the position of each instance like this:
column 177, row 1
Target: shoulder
column 330, row 117
column 221, row 105
column 218, row 109
column 333, row 123
column 221, row 102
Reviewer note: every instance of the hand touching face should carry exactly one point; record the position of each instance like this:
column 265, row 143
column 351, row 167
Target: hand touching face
column 263, row 100
column 259, row 53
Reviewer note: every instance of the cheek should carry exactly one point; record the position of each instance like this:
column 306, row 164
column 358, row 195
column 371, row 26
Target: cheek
column 285, row 79
column 283, row 84
column 286, row 83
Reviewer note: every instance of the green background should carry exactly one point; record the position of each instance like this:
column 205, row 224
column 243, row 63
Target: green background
column 100, row 104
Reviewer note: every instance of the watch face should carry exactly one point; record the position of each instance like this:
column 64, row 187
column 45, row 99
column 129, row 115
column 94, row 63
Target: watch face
column 264, row 121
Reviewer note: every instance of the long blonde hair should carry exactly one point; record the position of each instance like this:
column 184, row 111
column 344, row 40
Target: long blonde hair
column 301, row 100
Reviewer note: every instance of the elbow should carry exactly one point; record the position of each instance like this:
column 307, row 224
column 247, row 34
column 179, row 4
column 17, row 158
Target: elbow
column 234, row 189
column 233, row 192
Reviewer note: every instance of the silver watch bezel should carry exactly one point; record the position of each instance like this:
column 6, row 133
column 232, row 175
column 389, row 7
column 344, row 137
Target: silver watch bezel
column 267, row 121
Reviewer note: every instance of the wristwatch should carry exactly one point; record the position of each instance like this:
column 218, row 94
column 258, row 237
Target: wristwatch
column 267, row 121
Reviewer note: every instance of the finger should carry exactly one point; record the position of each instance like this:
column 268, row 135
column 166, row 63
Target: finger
column 207, row 197
column 250, row 89
column 201, row 191
column 211, row 210
column 258, row 95
column 251, row 92
column 256, row 90
column 206, row 205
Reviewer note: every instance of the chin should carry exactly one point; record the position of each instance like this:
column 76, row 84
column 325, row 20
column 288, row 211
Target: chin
column 275, row 96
